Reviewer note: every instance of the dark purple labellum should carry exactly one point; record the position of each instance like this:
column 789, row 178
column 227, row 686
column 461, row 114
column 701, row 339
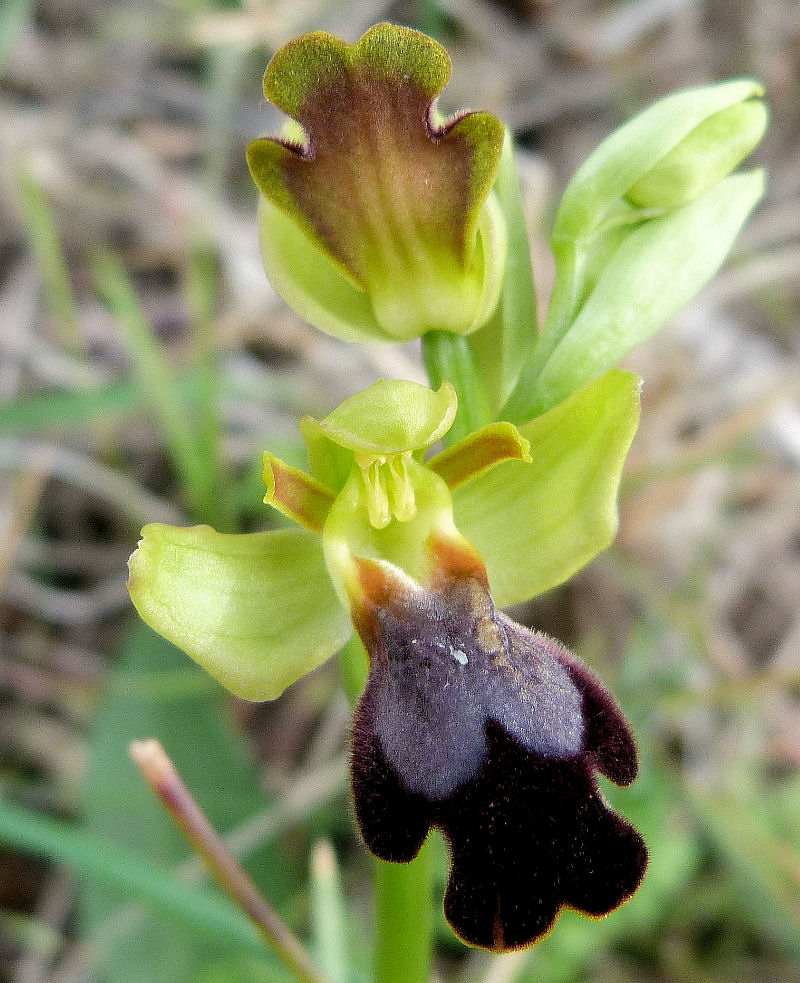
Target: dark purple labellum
column 491, row 732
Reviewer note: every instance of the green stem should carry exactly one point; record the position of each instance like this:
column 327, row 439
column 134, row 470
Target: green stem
column 404, row 919
column 449, row 356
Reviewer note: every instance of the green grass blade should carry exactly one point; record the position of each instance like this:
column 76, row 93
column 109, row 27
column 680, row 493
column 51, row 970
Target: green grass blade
column 13, row 16
column 328, row 915
column 201, row 291
column 156, row 379
column 129, row 874
column 45, row 244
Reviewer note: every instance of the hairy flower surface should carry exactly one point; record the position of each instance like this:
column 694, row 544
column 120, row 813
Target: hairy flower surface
column 493, row 733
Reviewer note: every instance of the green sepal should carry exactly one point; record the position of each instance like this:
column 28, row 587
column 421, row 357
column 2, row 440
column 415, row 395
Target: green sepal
column 656, row 270
column 537, row 523
column 256, row 611
column 311, row 283
column 712, row 150
column 628, row 154
column 391, row 416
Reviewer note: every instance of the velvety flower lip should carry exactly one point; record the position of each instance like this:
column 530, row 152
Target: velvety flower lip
column 493, row 733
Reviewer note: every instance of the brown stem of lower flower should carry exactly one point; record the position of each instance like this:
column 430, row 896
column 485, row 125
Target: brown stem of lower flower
column 161, row 775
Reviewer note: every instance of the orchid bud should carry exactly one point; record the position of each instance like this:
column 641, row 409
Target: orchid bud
column 376, row 218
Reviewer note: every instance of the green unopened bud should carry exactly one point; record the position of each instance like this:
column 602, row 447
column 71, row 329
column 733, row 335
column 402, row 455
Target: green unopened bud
column 708, row 154
column 667, row 156
column 643, row 225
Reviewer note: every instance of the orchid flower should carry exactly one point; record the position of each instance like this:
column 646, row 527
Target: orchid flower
column 376, row 217
column 468, row 722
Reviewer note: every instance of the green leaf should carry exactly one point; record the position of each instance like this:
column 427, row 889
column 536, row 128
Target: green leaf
column 536, row 524
column 199, row 911
column 506, row 341
column 655, row 271
column 154, row 691
column 256, row 611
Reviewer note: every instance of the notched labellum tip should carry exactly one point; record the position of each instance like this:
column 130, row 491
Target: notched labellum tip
column 492, row 733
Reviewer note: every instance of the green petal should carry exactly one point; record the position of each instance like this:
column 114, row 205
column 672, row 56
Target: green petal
column 536, row 524
column 393, row 198
column 657, row 269
column 296, row 494
column 390, row 417
column 257, row 611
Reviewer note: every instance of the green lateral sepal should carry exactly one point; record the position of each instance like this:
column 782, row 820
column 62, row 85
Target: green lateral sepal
column 256, row 611
column 537, row 523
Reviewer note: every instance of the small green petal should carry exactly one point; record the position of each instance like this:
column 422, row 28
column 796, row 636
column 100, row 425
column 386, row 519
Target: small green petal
column 390, row 417
column 257, row 611
column 481, row 450
column 536, row 524
column 296, row 494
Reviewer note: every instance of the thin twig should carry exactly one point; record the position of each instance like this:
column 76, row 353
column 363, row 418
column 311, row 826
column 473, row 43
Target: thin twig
column 160, row 774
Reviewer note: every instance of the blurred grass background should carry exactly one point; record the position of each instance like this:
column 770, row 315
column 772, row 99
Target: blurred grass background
column 145, row 363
